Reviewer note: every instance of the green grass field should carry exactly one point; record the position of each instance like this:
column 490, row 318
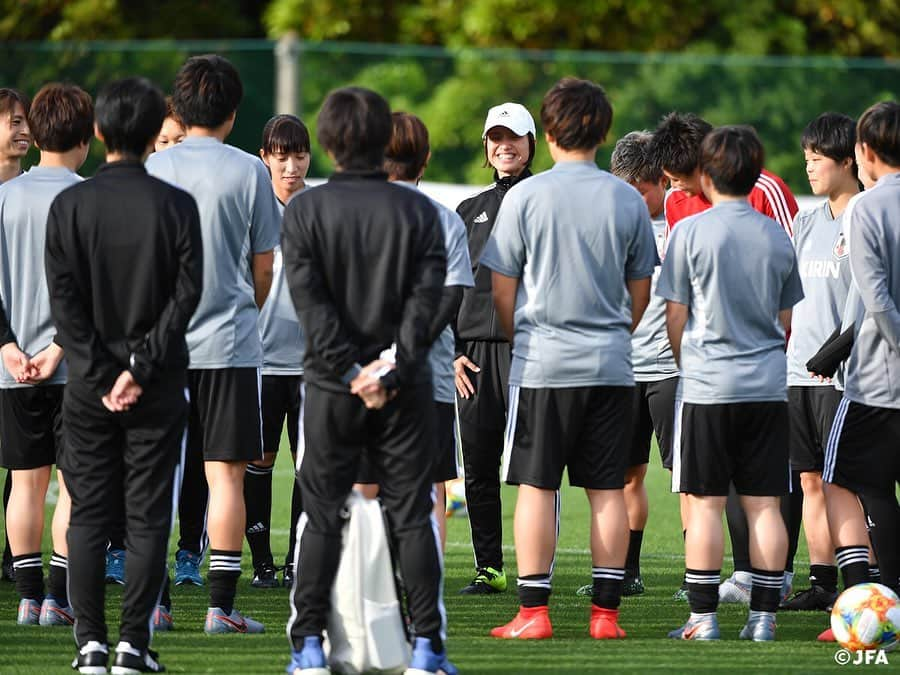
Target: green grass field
column 646, row 618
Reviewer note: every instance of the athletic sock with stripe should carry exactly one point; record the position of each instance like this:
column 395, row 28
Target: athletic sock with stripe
column 534, row 590
column 224, row 571
column 853, row 561
column 29, row 576
column 258, row 498
column 608, row 582
column 703, row 590
column 56, row 583
column 766, row 591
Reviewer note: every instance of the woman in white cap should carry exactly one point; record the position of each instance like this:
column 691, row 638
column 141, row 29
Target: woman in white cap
column 482, row 349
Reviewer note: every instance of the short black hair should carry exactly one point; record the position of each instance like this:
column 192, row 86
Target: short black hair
column 285, row 133
column 733, row 158
column 9, row 98
column 207, row 91
column 355, row 127
column 576, row 114
column 631, row 161
column 879, row 129
column 61, row 117
column 130, row 113
column 675, row 146
column 833, row 135
column 407, row 153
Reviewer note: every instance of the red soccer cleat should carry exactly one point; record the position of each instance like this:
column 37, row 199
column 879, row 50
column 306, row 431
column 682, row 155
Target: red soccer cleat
column 531, row 623
column 826, row 635
column 605, row 624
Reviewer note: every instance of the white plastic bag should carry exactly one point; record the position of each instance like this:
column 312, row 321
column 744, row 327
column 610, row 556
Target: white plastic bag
column 366, row 632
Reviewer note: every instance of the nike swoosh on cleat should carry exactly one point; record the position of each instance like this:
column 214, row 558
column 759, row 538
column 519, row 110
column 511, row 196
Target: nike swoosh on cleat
column 517, row 632
column 240, row 627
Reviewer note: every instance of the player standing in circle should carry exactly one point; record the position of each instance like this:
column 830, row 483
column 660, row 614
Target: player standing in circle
column 406, row 157
column 365, row 262
column 676, row 148
column 34, row 373
column 822, row 255
column 124, row 268
column 483, row 350
column 861, row 460
column 285, row 151
column 571, row 379
column 240, row 221
column 732, row 421
column 15, row 139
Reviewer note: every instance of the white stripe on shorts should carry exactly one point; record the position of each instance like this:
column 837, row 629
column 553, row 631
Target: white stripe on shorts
column 834, row 439
column 301, row 440
column 509, row 435
column 676, row 446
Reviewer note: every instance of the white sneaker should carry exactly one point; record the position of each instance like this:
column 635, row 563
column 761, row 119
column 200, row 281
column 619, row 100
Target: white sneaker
column 735, row 589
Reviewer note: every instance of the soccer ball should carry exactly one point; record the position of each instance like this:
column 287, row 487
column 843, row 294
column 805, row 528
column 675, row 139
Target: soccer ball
column 866, row 616
column 456, row 497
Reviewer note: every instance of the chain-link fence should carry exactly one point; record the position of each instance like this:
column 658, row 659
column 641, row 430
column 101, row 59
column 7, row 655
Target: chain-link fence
column 451, row 89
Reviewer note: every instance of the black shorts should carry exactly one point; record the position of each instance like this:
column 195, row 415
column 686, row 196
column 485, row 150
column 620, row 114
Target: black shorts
column 811, row 411
column 225, row 423
column 743, row 443
column 583, row 429
column 863, row 453
column 30, row 426
column 444, row 467
column 282, row 399
column 653, row 411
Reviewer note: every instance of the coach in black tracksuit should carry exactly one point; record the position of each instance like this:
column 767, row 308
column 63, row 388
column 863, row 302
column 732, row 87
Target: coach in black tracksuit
column 124, row 271
column 483, row 350
column 365, row 263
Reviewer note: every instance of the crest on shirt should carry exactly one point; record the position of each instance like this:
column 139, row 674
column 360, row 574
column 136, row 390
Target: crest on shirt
column 841, row 248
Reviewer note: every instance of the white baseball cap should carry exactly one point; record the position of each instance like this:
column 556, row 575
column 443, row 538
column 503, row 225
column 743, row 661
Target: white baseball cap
column 513, row 116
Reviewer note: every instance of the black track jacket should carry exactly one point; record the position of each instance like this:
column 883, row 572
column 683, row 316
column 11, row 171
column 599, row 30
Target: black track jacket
column 124, row 263
column 476, row 319
column 365, row 263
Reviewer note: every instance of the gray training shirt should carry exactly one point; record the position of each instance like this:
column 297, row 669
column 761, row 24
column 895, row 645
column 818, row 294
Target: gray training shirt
column 735, row 269
column 651, row 353
column 282, row 338
column 239, row 218
column 873, row 371
column 459, row 273
column 823, row 260
column 24, row 205
column 573, row 235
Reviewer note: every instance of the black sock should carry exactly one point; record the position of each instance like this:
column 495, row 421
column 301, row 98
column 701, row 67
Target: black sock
column 224, row 571
column 258, row 498
column 874, row 574
column 853, row 562
column 766, row 592
column 703, row 589
column 883, row 519
column 29, row 576
column 633, row 557
column 7, row 489
column 166, row 599
column 296, row 510
column 792, row 513
column 608, row 582
column 738, row 531
column 534, row 590
column 56, row 582
column 824, row 576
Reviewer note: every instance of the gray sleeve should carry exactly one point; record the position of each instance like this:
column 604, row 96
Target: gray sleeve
column 642, row 254
column 867, row 261
column 675, row 276
column 792, row 291
column 459, row 267
column 505, row 250
column 265, row 216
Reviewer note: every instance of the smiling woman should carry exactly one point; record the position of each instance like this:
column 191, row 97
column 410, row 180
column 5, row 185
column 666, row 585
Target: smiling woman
column 15, row 136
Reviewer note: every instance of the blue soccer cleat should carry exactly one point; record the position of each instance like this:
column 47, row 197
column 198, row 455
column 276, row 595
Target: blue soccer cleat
column 55, row 614
column 187, row 568
column 218, row 621
column 760, row 627
column 29, row 612
column 425, row 661
column 115, row 566
column 705, row 628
